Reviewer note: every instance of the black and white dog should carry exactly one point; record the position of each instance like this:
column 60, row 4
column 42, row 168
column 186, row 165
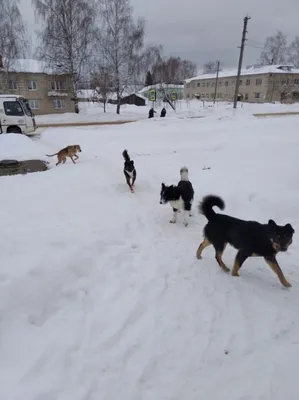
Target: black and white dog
column 129, row 170
column 180, row 197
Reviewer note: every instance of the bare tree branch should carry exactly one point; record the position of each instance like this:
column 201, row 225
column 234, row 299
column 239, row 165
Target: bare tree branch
column 120, row 42
column 275, row 49
column 13, row 41
column 67, row 39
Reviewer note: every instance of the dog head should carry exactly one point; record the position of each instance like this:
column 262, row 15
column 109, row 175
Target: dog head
column 77, row 148
column 129, row 165
column 166, row 193
column 280, row 236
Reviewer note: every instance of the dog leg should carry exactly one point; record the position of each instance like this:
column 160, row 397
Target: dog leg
column 241, row 257
column 174, row 218
column 129, row 183
column 273, row 264
column 71, row 157
column 205, row 243
column 186, row 215
column 76, row 156
column 218, row 256
column 134, row 179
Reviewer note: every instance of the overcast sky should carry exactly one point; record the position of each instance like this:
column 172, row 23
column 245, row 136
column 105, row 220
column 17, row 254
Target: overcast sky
column 207, row 30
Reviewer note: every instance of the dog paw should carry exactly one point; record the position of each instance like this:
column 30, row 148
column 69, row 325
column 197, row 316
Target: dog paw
column 172, row 221
column 235, row 273
column 287, row 284
column 198, row 256
column 185, row 223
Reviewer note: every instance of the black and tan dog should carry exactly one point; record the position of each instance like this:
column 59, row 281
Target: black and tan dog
column 69, row 151
column 250, row 238
column 129, row 170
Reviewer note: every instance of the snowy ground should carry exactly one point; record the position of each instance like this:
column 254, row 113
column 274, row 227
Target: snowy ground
column 94, row 112
column 102, row 299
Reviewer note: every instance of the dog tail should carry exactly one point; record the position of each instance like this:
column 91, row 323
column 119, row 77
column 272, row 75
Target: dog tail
column 205, row 207
column 184, row 174
column 51, row 155
column 126, row 155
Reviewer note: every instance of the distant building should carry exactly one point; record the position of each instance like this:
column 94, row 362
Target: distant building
column 175, row 92
column 258, row 84
column 47, row 92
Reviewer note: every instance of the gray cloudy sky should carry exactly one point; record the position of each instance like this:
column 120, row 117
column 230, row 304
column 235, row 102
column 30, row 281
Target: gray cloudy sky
column 207, row 30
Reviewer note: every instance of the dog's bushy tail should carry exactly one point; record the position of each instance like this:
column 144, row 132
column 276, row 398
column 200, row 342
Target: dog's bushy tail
column 184, row 174
column 205, row 207
column 126, row 155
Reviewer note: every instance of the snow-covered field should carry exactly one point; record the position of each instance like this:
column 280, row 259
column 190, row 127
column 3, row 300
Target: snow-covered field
column 102, row 299
column 94, row 112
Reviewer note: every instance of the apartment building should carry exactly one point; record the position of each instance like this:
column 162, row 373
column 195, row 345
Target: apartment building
column 258, row 84
column 47, row 92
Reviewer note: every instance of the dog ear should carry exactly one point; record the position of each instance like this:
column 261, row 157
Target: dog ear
column 289, row 228
column 272, row 224
column 163, row 185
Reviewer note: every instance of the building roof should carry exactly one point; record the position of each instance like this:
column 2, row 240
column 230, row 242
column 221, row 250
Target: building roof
column 250, row 70
column 32, row 66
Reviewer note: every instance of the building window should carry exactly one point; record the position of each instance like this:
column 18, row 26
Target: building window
column 198, row 84
column 58, row 104
column 208, row 84
column 233, row 83
column 220, row 95
column 12, row 85
column 258, row 82
column 240, row 82
column 296, row 81
column 213, row 84
column 226, row 83
column 207, row 95
column 34, row 104
column 220, row 83
column 246, row 96
column 257, row 95
column 57, row 85
column 247, row 82
column 203, row 84
column 31, row 85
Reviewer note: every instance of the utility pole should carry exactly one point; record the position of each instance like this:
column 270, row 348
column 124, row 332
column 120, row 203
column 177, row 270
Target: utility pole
column 216, row 84
column 243, row 40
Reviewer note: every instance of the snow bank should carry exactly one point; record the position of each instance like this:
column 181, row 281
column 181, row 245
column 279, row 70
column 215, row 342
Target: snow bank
column 102, row 299
column 20, row 147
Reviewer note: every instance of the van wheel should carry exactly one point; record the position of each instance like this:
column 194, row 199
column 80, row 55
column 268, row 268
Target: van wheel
column 14, row 129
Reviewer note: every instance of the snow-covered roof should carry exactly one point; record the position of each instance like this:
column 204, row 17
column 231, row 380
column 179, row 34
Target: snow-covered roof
column 250, row 70
column 32, row 66
column 161, row 85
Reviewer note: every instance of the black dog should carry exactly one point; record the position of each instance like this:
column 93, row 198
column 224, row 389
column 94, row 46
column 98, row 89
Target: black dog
column 250, row 238
column 129, row 170
column 180, row 197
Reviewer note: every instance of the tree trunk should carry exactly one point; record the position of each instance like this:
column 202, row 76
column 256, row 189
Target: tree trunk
column 104, row 105
column 118, row 106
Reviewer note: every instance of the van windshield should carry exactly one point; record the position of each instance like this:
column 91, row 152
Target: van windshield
column 26, row 106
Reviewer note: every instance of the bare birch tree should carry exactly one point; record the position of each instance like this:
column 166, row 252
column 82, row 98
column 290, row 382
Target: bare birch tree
column 13, row 41
column 66, row 41
column 120, row 41
column 102, row 84
column 275, row 49
column 282, row 86
column 294, row 52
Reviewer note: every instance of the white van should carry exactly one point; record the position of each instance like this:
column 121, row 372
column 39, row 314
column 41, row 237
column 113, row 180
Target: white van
column 16, row 115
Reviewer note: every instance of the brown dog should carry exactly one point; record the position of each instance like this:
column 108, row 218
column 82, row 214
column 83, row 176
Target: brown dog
column 69, row 151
